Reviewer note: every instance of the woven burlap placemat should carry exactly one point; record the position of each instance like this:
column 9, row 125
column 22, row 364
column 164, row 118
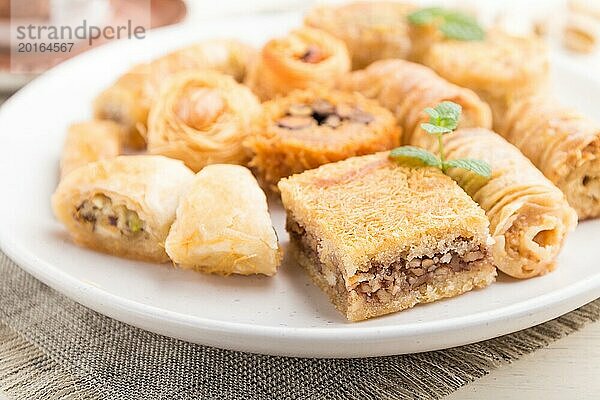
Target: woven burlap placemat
column 53, row 348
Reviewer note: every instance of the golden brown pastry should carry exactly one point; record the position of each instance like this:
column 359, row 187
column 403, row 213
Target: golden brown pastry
column 500, row 69
column 431, row 25
column 407, row 88
column 223, row 225
column 306, row 57
column 123, row 206
column 126, row 103
column 317, row 126
column 88, row 142
column 372, row 30
column 529, row 216
column 129, row 99
column 379, row 237
column 202, row 118
column 563, row 144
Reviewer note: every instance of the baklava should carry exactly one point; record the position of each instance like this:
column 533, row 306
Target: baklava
column 563, row 144
column 129, row 99
column 123, row 206
column 223, row 225
column 500, row 69
column 406, row 89
column 305, row 58
column 379, row 237
column 530, row 218
column 371, row 30
column 313, row 127
column 88, row 142
column 202, row 117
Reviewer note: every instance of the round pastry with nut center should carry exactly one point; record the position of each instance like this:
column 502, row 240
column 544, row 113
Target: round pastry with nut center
column 313, row 127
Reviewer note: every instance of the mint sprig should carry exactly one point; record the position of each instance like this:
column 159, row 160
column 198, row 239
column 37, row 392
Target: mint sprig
column 443, row 119
column 453, row 24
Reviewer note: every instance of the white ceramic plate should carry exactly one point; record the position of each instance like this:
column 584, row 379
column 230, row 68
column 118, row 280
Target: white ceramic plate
column 283, row 315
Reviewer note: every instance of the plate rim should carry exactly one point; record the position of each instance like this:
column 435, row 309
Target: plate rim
column 126, row 310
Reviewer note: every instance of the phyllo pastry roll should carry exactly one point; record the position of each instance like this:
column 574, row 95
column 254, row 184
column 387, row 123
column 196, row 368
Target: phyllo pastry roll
column 379, row 237
column 124, row 206
column 563, row 144
column 499, row 69
column 529, row 216
column 129, row 99
column 306, row 57
column 407, row 88
column 317, row 126
column 201, row 118
column 371, row 30
column 223, row 225
column 126, row 103
column 88, row 142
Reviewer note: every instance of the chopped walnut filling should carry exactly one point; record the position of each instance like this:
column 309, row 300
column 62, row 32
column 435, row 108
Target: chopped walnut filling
column 403, row 275
column 99, row 212
column 384, row 282
column 323, row 112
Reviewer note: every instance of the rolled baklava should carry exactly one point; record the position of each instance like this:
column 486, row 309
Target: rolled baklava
column 88, row 142
column 201, row 118
column 422, row 38
column 223, row 225
column 129, row 99
column 500, row 69
column 407, row 88
column 379, row 237
column 123, row 206
column 563, row 144
column 371, row 30
column 126, row 103
column 306, row 57
column 317, row 126
column 529, row 216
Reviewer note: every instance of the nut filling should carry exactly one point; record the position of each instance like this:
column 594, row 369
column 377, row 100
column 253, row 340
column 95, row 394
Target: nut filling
column 99, row 212
column 382, row 283
column 322, row 112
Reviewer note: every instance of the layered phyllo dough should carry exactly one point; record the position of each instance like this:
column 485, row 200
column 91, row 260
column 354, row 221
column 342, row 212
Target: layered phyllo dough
column 202, row 117
column 129, row 99
column 563, row 144
column 371, row 30
column 123, row 206
column 407, row 88
column 90, row 141
column 223, row 225
column 317, row 126
column 529, row 216
column 500, row 69
column 306, row 57
column 378, row 237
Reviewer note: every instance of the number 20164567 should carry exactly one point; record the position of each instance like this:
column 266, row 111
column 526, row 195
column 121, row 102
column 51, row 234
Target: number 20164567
column 44, row 47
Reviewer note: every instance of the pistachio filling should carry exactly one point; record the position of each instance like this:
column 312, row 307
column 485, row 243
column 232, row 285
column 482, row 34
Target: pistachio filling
column 322, row 112
column 99, row 212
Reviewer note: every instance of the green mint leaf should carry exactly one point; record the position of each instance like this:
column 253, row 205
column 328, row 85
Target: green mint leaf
column 443, row 118
column 449, row 114
column 461, row 30
column 414, row 156
column 435, row 129
column 453, row 24
column 425, row 16
column 479, row 167
column 432, row 113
